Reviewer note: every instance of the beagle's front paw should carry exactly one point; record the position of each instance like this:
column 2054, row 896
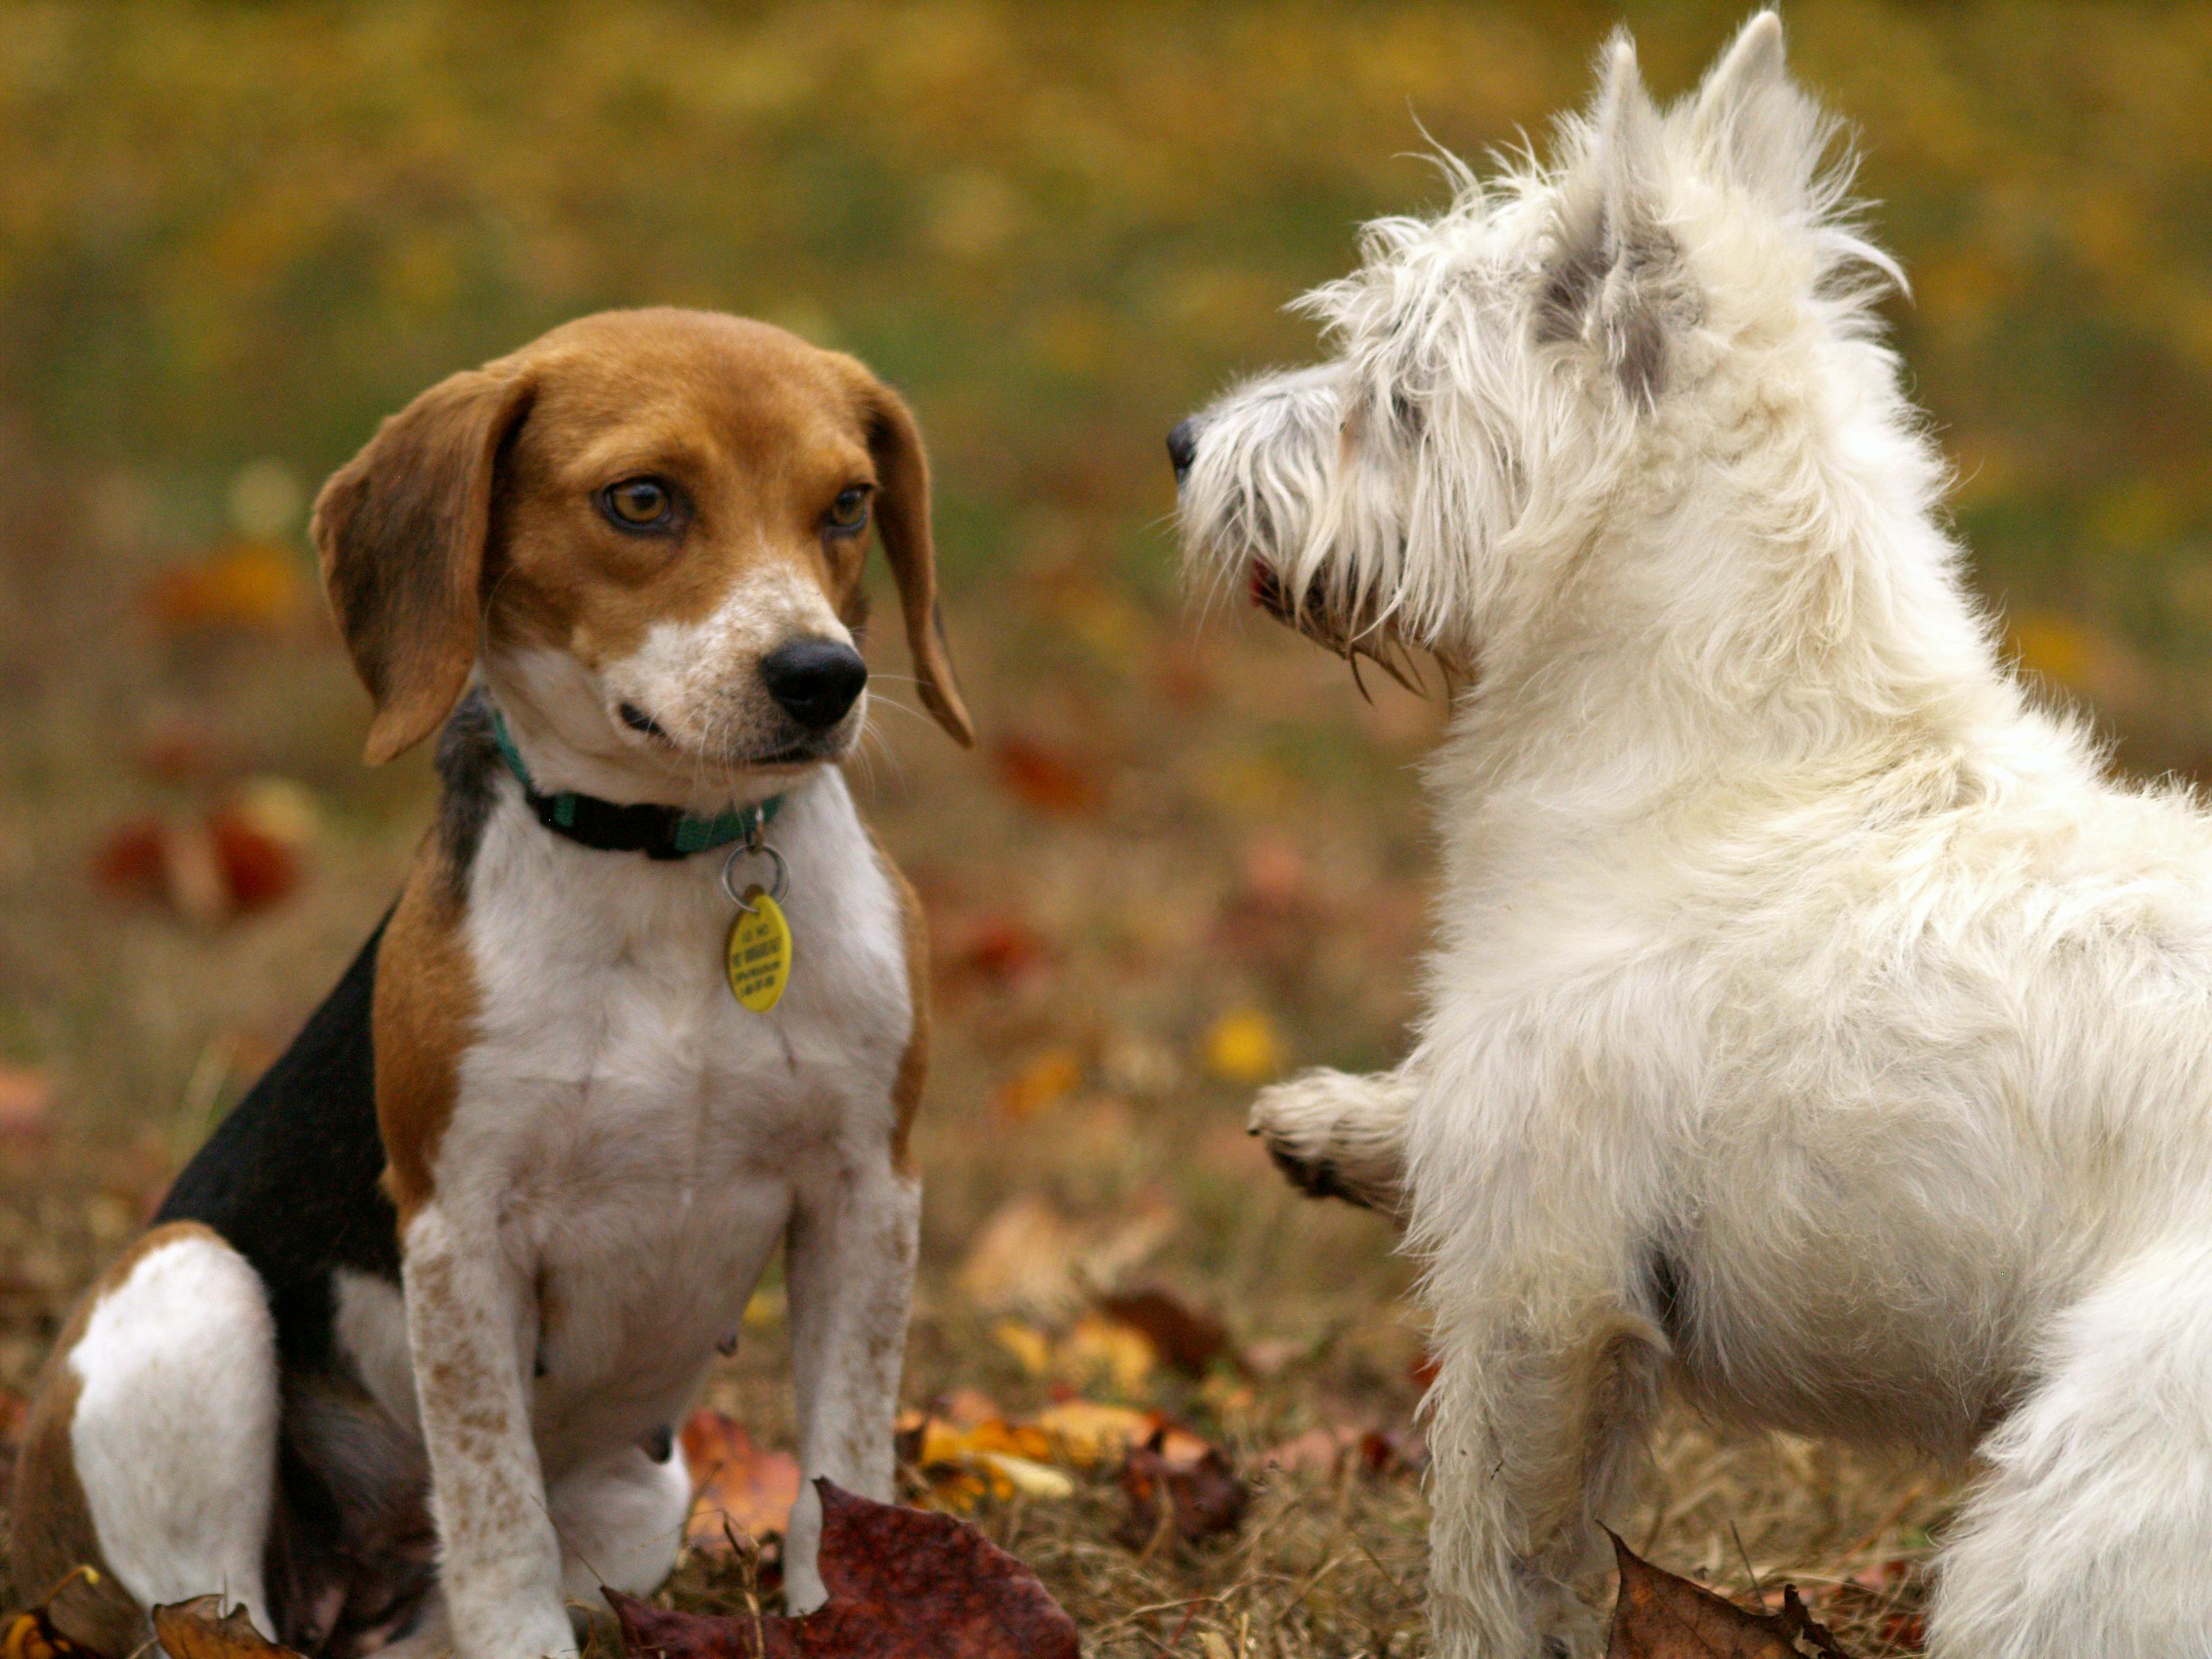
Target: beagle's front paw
column 1335, row 1135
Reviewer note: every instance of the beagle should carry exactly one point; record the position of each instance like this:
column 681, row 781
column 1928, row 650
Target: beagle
column 398, row 1362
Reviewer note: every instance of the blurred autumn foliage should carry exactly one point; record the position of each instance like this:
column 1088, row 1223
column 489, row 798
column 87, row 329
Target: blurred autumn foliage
column 1184, row 858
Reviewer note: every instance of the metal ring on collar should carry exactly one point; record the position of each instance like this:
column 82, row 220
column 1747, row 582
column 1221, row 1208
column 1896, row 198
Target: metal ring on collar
column 779, row 880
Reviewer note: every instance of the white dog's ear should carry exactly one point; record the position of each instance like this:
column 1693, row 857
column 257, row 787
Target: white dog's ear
column 1754, row 127
column 1617, row 281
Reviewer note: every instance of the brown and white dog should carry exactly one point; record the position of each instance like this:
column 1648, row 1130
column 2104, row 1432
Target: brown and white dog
column 400, row 1358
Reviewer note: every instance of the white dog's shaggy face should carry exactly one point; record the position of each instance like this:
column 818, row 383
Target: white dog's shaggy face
column 1503, row 369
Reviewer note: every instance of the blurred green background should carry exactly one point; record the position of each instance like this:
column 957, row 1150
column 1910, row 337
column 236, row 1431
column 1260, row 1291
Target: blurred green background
column 236, row 232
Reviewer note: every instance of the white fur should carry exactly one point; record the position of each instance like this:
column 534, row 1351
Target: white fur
column 174, row 1436
column 1812, row 1020
column 629, row 1147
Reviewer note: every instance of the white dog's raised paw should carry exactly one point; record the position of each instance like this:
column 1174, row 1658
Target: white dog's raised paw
column 1335, row 1135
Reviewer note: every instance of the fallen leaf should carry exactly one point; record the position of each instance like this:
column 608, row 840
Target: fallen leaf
column 903, row 1584
column 249, row 584
column 224, row 864
column 1090, row 1434
column 1243, row 1048
column 32, row 1635
column 735, row 1483
column 203, row 1629
column 1187, row 1340
column 997, row 946
column 1098, row 1349
column 1028, row 1345
column 1045, row 1081
column 1028, row 1258
column 1202, row 1498
column 1660, row 1616
column 1045, row 778
column 27, row 1095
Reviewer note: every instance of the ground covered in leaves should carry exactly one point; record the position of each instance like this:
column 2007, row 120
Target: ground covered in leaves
column 1184, row 858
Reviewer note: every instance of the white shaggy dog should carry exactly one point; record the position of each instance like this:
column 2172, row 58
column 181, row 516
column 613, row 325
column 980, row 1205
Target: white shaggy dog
column 1812, row 1024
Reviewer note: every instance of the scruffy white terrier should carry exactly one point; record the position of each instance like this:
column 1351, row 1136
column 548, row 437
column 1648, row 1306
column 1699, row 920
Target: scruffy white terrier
column 1812, row 1024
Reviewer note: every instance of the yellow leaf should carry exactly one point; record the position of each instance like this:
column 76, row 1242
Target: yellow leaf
column 1026, row 1343
column 1244, row 1048
column 1108, row 1348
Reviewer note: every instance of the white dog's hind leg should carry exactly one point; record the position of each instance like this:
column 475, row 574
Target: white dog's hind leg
column 174, row 1434
column 1337, row 1135
column 1534, row 1425
column 2092, row 1533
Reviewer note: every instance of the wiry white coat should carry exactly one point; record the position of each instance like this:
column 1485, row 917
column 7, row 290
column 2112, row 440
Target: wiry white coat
column 1812, row 1020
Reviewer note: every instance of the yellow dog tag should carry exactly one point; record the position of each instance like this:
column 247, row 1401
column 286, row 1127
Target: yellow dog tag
column 757, row 956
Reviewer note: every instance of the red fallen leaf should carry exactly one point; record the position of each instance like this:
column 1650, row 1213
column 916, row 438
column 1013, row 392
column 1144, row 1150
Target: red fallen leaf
column 734, row 1481
column 1186, row 1341
column 227, row 864
column 903, row 1584
column 1203, row 1498
column 1044, row 778
column 258, row 868
column 1660, row 1616
column 997, row 946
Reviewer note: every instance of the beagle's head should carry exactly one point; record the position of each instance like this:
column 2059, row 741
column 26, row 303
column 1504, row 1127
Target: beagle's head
column 647, row 527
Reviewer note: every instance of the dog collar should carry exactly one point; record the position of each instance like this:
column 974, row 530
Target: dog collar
column 659, row 832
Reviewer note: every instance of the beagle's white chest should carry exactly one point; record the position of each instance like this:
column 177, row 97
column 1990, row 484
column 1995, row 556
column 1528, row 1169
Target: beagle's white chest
column 638, row 1133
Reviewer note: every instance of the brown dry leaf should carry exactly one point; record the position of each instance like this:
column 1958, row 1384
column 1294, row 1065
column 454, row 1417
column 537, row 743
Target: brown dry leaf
column 1186, row 1339
column 1660, row 1616
column 1044, row 778
column 32, row 1635
column 1101, row 1350
column 27, row 1095
column 256, row 586
column 1203, row 1498
column 1045, row 1081
column 1028, row 1258
column 202, row 1629
column 735, row 1482
column 903, row 1584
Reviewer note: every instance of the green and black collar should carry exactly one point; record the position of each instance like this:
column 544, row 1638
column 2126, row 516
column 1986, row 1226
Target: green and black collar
column 659, row 832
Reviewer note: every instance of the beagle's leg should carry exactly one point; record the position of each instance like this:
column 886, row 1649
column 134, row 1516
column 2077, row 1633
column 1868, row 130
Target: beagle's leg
column 620, row 1518
column 850, row 1260
column 471, row 1328
column 1336, row 1135
column 173, row 1437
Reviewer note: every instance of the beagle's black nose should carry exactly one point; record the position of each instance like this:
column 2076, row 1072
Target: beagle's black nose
column 814, row 681
column 1182, row 447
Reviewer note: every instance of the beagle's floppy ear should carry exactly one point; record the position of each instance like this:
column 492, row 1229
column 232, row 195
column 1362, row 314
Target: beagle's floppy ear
column 902, row 521
column 401, row 530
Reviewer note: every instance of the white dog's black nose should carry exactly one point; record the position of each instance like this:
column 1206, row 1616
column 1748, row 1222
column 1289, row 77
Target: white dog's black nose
column 814, row 681
column 1182, row 447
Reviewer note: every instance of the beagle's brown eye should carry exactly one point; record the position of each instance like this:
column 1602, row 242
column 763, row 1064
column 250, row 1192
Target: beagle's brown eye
column 638, row 503
column 849, row 512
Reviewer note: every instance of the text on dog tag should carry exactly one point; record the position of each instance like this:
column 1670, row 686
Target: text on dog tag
column 757, row 956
